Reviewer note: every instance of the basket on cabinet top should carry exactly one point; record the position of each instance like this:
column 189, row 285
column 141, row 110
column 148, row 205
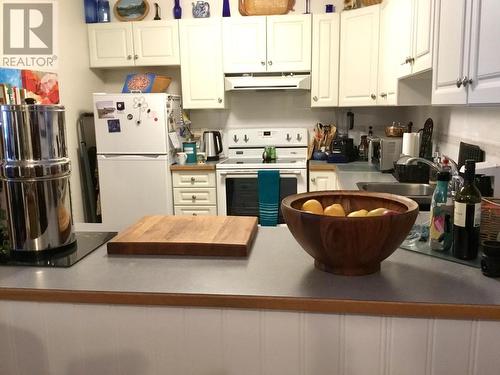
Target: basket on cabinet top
column 370, row 2
column 265, row 7
column 490, row 219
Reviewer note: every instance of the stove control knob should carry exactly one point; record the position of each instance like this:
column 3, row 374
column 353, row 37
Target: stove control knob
column 299, row 137
column 288, row 137
column 246, row 139
column 235, row 139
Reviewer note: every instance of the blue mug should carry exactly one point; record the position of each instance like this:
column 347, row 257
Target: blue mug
column 190, row 149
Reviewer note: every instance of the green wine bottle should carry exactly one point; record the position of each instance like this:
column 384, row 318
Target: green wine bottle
column 467, row 217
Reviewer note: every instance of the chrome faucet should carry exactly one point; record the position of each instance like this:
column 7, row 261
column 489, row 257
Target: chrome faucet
column 456, row 180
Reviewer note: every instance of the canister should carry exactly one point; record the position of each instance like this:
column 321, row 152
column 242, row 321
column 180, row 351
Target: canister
column 190, row 149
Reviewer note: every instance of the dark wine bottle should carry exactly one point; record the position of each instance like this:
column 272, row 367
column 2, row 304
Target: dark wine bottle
column 467, row 217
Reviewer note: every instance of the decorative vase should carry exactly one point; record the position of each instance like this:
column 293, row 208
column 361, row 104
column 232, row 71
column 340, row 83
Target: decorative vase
column 177, row 10
column 226, row 12
column 90, row 11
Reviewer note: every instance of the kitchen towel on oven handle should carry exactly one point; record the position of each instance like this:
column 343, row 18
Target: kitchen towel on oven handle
column 269, row 197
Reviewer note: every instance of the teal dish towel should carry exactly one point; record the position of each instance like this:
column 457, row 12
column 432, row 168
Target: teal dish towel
column 269, row 197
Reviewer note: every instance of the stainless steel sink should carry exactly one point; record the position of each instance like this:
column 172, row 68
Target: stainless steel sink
column 420, row 193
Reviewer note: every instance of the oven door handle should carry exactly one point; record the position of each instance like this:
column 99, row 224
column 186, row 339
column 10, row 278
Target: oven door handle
column 236, row 173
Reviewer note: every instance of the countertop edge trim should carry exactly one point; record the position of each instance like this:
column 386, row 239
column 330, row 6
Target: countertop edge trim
column 314, row 305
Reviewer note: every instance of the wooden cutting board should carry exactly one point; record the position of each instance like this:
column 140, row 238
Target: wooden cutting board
column 187, row 235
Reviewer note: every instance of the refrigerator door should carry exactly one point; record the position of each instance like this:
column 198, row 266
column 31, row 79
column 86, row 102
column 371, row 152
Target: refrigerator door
column 132, row 187
column 131, row 123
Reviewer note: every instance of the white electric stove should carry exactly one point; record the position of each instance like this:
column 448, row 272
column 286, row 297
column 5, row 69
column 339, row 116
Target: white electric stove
column 237, row 185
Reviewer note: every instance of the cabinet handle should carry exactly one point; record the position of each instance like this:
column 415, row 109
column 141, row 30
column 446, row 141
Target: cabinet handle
column 129, row 57
column 195, row 214
column 466, row 81
column 411, row 60
column 263, row 63
column 193, row 197
column 193, row 180
column 459, row 82
column 373, row 96
column 219, row 100
column 270, row 62
column 136, row 57
column 315, row 98
column 383, row 95
column 313, row 180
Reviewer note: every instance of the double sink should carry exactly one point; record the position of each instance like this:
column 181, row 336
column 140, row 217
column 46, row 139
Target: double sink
column 420, row 193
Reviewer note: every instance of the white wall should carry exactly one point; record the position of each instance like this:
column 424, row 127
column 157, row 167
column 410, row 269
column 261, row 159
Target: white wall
column 476, row 125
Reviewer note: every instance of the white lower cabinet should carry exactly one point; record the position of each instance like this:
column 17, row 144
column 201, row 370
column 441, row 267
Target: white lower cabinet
column 323, row 180
column 194, row 193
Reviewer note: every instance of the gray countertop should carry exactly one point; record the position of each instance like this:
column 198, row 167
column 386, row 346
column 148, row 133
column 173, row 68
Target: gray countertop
column 277, row 267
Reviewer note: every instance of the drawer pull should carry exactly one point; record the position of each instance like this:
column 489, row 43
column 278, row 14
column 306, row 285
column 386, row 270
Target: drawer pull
column 195, row 214
column 193, row 197
column 193, row 180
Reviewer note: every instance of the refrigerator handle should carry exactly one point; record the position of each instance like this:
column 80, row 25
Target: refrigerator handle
column 132, row 157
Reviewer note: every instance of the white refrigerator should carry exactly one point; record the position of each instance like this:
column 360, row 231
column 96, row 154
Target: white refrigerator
column 133, row 155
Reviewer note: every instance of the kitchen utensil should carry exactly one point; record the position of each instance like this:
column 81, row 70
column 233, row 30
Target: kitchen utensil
column 187, row 235
column 212, row 144
column 265, row 7
column 363, row 148
column 35, row 172
column 190, row 149
column 426, row 139
column 468, row 151
column 395, row 130
column 350, row 245
column 345, row 123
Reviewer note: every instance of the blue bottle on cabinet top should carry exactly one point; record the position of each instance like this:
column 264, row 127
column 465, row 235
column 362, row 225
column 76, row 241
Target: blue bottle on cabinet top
column 226, row 11
column 90, row 11
column 103, row 11
column 177, row 10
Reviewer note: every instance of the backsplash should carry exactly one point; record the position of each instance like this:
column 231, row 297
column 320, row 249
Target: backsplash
column 477, row 125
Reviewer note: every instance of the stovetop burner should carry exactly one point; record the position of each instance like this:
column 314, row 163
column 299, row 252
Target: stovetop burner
column 86, row 242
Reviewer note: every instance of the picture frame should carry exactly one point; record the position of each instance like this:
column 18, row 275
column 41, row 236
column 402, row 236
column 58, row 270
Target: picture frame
column 131, row 10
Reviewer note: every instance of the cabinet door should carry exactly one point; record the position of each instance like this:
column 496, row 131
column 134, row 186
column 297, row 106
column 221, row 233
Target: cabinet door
column 156, row 43
column 388, row 52
column 244, row 44
column 484, row 67
column 322, row 180
column 423, row 18
column 404, row 23
column 201, row 61
column 451, row 51
column 359, row 43
column 289, row 43
column 325, row 60
column 110, row 45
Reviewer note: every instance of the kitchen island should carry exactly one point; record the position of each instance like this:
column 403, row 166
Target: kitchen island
column 271, row 313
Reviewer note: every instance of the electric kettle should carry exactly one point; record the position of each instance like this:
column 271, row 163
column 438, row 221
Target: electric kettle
column 212, row 144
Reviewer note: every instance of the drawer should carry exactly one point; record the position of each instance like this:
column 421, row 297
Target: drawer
column 193, row 179
column 193, row 196
column 195, row 210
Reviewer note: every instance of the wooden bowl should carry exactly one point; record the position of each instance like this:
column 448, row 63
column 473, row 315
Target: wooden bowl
column 350, row 245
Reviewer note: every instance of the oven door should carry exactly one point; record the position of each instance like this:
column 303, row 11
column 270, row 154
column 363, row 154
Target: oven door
column 238, row 193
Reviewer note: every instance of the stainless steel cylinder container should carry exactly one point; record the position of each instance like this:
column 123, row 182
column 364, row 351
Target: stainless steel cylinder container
column 35, row 172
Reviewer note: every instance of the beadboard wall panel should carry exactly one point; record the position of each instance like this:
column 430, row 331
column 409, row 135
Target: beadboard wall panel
column 52, row 338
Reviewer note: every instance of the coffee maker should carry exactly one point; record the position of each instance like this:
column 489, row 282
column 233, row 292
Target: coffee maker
column 342, row 148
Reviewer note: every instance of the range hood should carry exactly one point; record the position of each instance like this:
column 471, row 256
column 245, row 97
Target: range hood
column 267, row 81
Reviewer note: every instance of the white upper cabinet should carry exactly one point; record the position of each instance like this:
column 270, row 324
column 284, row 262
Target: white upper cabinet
column 111, row 45
column 325, row 60
column 244, row 40
column 201, row 61
column 289, row 43
column 156, row 43
column 390, row 17
column 466, row 61
column 144, row 43
column 359, row 50
column 416, row 24
column 451, row 51
column 267, row 44
column 484, row 65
